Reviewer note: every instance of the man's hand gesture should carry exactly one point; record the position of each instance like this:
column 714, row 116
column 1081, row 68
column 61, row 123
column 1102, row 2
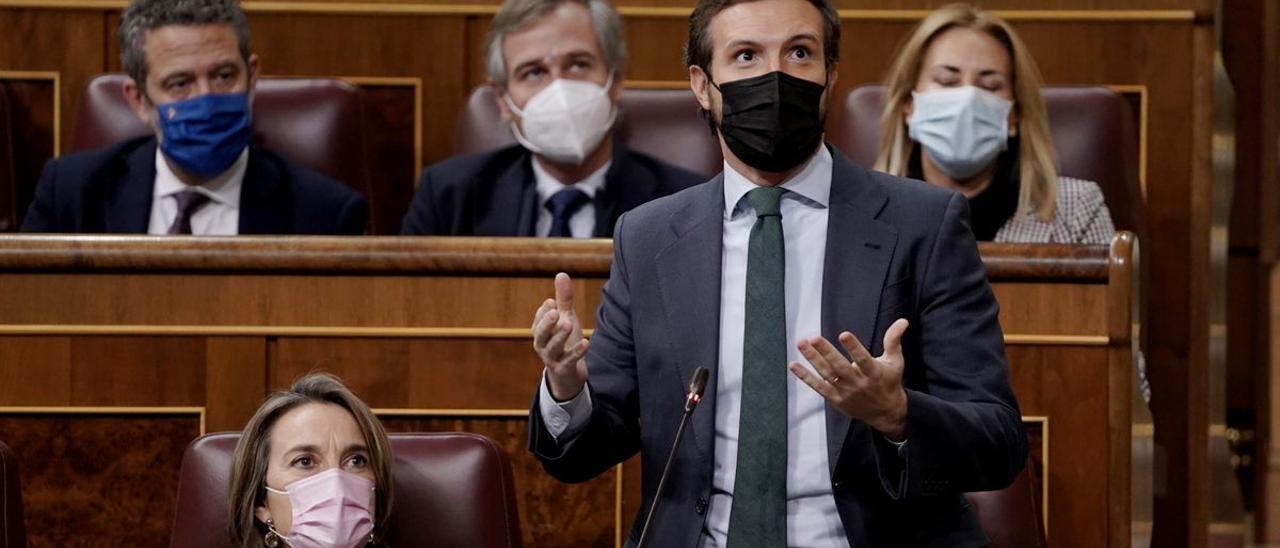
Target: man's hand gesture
column 868, row 389
column 558, row 340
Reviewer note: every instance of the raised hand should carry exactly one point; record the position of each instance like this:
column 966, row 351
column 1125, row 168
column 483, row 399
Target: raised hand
column 868, row 389
column 558, row 340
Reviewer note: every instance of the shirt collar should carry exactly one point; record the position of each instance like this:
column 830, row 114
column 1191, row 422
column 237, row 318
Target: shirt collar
column 548, row 185
column 810, row 184
column 223, row 189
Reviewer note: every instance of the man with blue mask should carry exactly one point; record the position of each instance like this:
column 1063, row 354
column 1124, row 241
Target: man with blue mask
column 858, row 384
column 556, row 67
column 191, row 79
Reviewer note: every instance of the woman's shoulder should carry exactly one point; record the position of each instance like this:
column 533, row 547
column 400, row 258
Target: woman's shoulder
column 1082, row 211
column 1080, row 216
column 1078, row 194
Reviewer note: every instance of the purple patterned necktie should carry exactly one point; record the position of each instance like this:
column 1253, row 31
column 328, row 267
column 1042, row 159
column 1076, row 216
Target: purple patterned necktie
column 189, row 201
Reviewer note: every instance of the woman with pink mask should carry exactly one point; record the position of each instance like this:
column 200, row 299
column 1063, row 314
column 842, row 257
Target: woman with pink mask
column 312, row 469
column 963, row 111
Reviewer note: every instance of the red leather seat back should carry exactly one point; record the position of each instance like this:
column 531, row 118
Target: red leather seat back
column 13, row 533
column 662, row 123
column 1011, row 516
column 1094, row 135
column 314, row 122
column 452, row 489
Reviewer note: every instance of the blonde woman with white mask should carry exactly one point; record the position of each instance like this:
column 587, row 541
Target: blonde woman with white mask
column 963, row 111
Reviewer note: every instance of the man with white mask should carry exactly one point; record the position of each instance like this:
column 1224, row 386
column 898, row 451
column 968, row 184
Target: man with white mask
column 557, row 67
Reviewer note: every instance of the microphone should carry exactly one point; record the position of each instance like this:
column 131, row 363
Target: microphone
column 693, row 395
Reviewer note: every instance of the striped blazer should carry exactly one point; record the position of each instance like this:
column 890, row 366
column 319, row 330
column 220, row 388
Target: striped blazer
column 1081, row 217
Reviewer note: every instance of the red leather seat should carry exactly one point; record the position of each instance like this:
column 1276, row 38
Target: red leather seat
column 9, row 214
column 314, row 122
column 662, row 123
column 1094, row 134
column 13, row 533
column 452, row 489
column 1011, row 516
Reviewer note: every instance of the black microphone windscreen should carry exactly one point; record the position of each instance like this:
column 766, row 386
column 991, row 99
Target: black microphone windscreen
column 699, row 382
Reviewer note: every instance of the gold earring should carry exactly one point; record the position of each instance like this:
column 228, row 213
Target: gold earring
column 272, row 538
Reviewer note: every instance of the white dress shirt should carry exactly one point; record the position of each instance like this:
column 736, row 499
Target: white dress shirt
column 219, row 217
column 582, row 224
column 812, row 518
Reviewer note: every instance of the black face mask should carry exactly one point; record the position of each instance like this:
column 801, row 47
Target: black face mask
column 773, row 121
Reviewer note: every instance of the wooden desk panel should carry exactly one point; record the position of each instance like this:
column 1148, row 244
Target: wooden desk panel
column 433, row 333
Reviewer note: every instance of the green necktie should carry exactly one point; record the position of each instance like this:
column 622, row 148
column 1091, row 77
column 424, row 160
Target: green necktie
column 759, row 513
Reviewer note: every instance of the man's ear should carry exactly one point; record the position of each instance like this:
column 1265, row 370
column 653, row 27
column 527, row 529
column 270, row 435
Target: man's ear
column 135, row 96
column 699, row 82
column 255, row 67
column 615, row 90
column 498, row 94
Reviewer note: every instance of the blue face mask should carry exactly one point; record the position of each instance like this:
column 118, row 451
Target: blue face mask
column 204, row 135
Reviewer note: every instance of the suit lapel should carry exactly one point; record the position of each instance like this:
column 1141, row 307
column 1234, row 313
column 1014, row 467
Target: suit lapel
column 512, row 208
column 128, row 208
column 689, row 282
column 859, row 249
column 264, row 207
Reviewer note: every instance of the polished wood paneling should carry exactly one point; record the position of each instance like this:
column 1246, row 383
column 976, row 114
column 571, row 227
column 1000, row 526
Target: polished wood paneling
column 392, row 139
column 463, row 373
column 1062, row 382
column 99, row 479
column 438, row 350
column 34, row 113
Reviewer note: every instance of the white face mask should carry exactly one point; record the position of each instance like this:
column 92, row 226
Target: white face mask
column 566, row 120
column 963, row 129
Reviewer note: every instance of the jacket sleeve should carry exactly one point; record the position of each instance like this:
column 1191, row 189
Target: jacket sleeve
column 42, row 214
column 354, row 218
column 612, row 434
column 964, row 428
column 421, row 219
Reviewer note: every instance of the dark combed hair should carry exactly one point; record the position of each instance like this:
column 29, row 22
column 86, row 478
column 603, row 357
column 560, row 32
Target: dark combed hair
column 143, row 16
column 698, row 50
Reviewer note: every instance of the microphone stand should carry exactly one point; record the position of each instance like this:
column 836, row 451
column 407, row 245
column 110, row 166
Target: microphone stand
column 694, row 395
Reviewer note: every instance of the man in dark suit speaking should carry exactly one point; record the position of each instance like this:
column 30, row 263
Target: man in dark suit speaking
column 191, row 78
column 772, row 275
column 556, row 67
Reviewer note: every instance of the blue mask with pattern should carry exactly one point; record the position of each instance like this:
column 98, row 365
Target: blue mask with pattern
column 204, row 135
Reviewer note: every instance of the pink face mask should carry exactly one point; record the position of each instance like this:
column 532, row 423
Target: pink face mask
column 332, row 509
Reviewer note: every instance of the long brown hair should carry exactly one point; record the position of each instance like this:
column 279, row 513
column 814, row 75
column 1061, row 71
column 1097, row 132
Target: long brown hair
column 249, row 466
column 1037, row 170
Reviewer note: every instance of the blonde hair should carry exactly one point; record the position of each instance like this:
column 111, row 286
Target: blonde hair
column 249, row 464
column 1037, row 169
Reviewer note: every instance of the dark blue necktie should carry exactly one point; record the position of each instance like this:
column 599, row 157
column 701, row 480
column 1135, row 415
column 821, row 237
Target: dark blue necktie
column 562, row 206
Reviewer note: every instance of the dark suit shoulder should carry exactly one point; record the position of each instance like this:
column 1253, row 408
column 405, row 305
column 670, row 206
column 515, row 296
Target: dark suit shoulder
column 475, row 169
column 84, row 168
column 315, row 203
column 306, row 180
column 668, row 178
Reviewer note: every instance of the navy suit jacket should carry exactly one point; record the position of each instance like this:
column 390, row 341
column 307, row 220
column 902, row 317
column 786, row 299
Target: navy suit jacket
column 494, row 193
column 109, row 190
column 895, row 248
